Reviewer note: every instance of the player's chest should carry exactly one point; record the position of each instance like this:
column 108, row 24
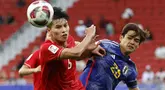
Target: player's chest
column 118, row 68
column 64, row 65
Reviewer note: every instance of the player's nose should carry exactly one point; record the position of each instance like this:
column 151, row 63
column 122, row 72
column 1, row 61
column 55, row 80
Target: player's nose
column 64, row 29
column 132, row 41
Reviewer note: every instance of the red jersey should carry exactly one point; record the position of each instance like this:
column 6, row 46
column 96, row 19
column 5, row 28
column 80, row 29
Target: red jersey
column 58, row 74
column 32, row 62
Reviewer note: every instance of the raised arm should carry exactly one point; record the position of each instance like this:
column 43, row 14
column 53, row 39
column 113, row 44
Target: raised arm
column 76, row 52
column 93, row 49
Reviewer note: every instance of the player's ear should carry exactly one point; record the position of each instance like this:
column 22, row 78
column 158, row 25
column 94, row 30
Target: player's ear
column 48, row 29
column 50, row 25
column 121, row 37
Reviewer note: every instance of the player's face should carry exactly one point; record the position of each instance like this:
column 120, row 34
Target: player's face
column 59, row 30
column 129, row 42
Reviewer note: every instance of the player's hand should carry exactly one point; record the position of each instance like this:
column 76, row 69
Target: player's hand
column 99, row 51
column 37, row 69
column 91, row 31
column 93, row 45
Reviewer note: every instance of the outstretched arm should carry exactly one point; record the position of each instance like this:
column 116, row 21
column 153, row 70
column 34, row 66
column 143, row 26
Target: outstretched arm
column 52, row 52
column 93, row 49
column 77, row 51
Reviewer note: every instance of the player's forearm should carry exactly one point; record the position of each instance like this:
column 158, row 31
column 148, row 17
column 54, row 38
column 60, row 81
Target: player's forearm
column 77, row 43
column 77, row 51
column 26, row 71
column 85, row 54
column 81, row 47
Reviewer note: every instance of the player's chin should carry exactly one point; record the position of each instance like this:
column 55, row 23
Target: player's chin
column 130, row 50
column 63, row 39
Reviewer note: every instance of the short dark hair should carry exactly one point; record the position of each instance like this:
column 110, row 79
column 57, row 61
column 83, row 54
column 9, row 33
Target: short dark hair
column 132, row 26
column 58, row 14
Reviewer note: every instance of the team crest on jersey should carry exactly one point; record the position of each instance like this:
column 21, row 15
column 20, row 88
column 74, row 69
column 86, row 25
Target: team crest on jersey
column 53, row 49
column 125, row 70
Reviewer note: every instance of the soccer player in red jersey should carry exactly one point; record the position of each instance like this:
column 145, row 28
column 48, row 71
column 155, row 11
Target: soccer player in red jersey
column 57, row 57
column 32, row 63
column 32, row 66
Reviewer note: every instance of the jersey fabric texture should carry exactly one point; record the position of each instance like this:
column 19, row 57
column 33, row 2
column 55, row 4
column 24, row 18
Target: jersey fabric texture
column 58, row 74
column 32, row 62
column 104, row 73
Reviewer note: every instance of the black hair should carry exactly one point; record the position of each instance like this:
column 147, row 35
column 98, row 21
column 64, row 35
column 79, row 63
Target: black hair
column 132, row 26
column 58, row 14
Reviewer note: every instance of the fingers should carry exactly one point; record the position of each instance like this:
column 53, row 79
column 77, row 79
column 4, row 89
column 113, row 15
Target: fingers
column 39, row 68
column 92, row 26
column 99, row 54
column 102, row 51
column 99, row 50
column 95, row 37
column 91, row 30
column 97, row 43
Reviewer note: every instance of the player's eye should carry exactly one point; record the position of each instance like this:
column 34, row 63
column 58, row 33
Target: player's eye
column 58, row 26
column 65, row 25
column 129, row 38
column 137, row 40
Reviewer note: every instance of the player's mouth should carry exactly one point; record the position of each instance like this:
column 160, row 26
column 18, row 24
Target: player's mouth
column 130, row 47
column 64, row 35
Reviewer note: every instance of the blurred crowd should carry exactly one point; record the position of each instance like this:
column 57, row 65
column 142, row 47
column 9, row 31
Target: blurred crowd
column 151, row 78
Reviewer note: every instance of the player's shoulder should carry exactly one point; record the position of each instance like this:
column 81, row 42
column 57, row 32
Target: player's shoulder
column 48, row 45
column 36, row 52
column 109, row 43
column 70, row 39
column 47, row 42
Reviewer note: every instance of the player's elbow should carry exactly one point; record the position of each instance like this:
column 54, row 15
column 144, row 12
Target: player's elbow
column 20, row 72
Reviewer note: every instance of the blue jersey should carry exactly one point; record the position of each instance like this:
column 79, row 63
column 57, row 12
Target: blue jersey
column 104, row 73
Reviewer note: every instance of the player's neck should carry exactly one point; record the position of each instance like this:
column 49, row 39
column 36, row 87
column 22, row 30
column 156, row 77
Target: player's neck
column 63, row 44
column 123, row 51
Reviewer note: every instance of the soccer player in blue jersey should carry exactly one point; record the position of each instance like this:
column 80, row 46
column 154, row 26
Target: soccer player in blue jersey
column 104, row 73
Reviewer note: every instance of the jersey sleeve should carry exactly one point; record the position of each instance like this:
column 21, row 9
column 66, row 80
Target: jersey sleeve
column 70, row 41
column 32, row 60
column 49, row 52
column 131, row 80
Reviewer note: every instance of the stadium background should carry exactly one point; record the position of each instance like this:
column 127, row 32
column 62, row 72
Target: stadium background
column 19, row 38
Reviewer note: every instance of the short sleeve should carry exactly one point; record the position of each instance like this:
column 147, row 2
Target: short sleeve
column 131, row 80
column 70, row 41
column 49, row 52
column 33, row 60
